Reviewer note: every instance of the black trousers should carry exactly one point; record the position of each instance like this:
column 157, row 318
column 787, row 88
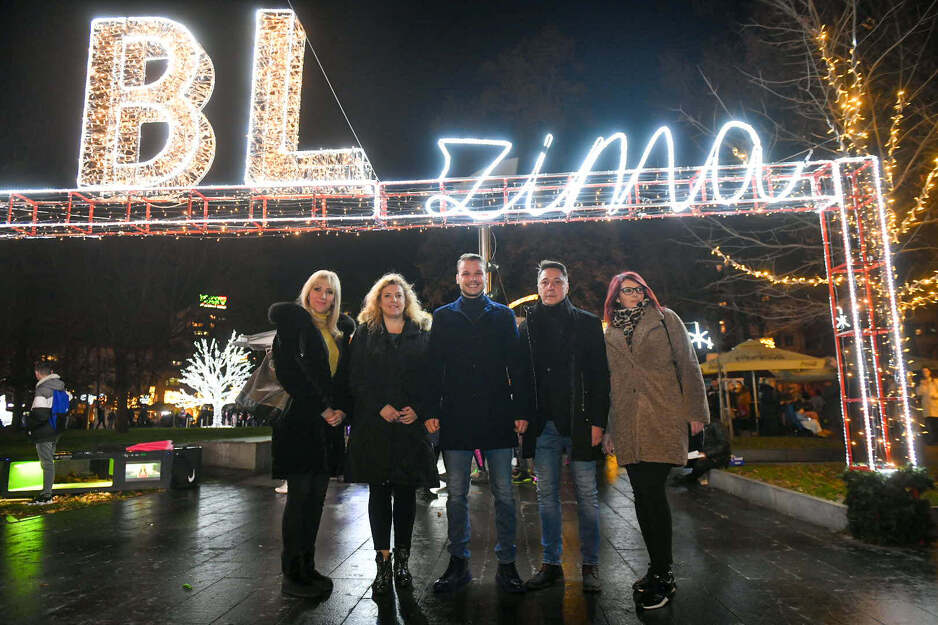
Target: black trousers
column 651, row 507
column 306, row 493
column 381, row 513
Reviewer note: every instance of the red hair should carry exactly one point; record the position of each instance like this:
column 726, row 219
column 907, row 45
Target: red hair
column 612, row 295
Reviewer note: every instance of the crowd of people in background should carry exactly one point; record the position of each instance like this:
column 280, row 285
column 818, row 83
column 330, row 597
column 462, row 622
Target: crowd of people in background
column 783, row 408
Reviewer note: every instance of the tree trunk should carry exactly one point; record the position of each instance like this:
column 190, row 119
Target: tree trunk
column 121, row 390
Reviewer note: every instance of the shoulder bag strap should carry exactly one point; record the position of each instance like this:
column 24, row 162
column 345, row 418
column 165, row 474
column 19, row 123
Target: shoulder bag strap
column 677, row 371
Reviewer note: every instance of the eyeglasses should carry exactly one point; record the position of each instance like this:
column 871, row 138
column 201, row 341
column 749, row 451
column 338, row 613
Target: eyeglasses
column 630, row 290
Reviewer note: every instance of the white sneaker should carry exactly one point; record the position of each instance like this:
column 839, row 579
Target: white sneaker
column 282, row 489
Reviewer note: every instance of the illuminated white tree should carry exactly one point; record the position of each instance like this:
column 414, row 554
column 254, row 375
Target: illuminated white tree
column 215, row 375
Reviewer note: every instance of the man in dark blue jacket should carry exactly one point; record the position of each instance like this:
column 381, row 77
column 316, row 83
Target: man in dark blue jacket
column 474, row 356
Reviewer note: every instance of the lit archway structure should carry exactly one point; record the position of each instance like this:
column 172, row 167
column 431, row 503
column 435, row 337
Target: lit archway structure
column 845, row 194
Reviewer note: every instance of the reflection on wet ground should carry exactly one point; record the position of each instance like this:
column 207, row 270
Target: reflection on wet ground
column 212, row 556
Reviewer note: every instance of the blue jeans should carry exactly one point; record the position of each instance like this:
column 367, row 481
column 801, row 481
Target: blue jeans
column 458, row 463
column 547, row 457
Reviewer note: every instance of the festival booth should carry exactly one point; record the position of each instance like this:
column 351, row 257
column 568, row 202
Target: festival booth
column 752, row 356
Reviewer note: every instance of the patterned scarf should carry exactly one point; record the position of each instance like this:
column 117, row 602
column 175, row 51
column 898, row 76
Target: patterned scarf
column 627, row 318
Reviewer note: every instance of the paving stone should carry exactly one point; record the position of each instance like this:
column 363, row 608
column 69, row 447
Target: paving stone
column 129, row 562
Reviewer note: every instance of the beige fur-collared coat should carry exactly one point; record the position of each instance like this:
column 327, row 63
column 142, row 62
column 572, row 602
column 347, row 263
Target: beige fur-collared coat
column 648, row 414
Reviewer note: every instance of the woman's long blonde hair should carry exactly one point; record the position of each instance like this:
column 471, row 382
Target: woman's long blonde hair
column 370, row 314
column 332, row 319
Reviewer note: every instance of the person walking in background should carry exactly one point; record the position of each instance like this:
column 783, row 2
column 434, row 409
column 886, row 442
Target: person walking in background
column 927, row 392
column 389, row 447
column 45, row 421
column 474, row 357
column 310, row 351
column 568, row 396
column 99, row 415
column 657, row 389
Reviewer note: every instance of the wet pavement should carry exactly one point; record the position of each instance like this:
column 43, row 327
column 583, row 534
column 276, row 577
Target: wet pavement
column 212, row 556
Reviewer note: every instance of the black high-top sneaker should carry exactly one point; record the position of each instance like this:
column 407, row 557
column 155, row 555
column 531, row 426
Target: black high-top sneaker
column 659, row 591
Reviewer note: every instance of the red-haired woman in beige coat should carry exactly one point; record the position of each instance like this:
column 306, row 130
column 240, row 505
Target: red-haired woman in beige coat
column 657, row 390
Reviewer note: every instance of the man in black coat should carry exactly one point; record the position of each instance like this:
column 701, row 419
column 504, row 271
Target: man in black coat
column 568, row 391
column 474, row 356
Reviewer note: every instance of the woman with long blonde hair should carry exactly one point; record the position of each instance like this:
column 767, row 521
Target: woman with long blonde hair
column 310, row 353
column 388, row 447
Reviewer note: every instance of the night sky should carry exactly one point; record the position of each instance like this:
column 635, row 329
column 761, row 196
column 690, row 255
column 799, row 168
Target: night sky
column 406, row 73
column 397, row 68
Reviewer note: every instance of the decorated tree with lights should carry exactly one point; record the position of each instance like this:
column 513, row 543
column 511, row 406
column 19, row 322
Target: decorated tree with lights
column 826, row 80
column 215, row 375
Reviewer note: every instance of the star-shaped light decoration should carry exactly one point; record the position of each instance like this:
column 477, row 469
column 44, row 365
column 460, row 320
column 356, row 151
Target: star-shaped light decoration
column 842, row 323
column 699, row 337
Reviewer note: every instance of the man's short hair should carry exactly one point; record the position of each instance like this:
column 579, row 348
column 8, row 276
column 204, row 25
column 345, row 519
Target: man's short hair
column 552, row 264
column 43, row 367
column 470, row 257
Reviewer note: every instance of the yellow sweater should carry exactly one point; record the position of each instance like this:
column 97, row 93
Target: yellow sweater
column 331, row 346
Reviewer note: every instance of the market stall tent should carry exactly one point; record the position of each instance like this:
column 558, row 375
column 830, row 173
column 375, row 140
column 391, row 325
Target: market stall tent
column 753, row 355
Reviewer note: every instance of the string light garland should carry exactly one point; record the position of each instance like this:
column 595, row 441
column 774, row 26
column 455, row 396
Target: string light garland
column 919, row 293
column 920, row 204
column 847, row 83
column 773, row 278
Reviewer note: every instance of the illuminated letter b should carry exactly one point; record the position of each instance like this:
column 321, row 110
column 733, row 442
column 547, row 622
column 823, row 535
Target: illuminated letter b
column 119, row 100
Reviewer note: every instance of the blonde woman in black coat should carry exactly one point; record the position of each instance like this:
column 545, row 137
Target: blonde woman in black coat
column 388, row 447
column 310, row 353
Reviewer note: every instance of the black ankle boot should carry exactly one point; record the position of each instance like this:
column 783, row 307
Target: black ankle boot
column 547, row 576
column 456, row 576
column 311, row 576
column 300, row 579
column 382, row 583
column 508, row 579
column 402, row 576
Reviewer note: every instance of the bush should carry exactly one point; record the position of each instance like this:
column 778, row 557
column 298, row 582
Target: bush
column 887, row 509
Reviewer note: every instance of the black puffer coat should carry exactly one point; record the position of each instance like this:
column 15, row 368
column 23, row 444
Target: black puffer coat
column 302, row 440
column 382, row 373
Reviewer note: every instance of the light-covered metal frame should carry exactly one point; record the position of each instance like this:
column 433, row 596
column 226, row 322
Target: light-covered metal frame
column 845, row 194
